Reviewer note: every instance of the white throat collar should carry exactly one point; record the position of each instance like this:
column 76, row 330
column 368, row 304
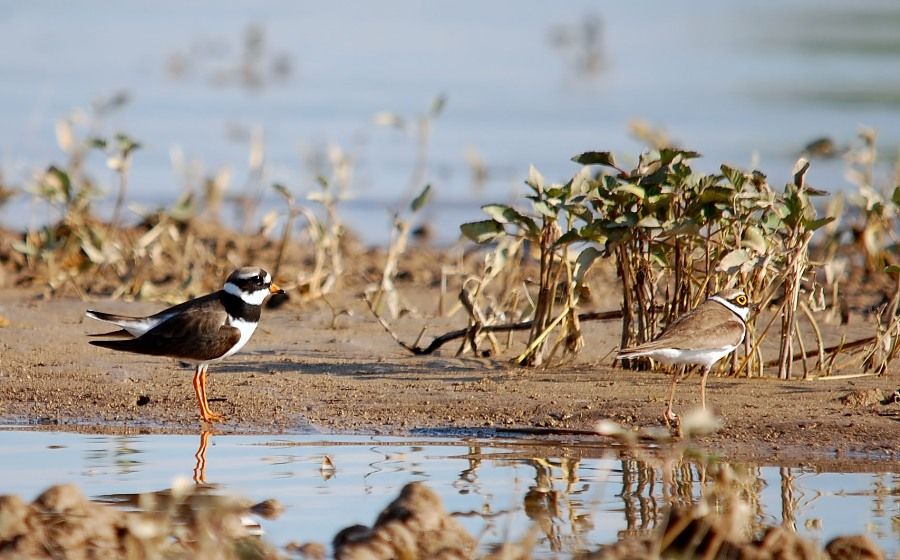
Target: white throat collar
column 250, row 298
column 742, row 312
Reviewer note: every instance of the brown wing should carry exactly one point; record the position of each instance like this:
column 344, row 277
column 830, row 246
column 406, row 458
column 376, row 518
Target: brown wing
column 698, row 330
column 704, row 335
column 198, row 332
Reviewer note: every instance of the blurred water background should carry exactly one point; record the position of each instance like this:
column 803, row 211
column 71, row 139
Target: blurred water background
column 748, row 83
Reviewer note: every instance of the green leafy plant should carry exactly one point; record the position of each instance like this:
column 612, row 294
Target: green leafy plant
column 554, row 207
column 676, row 236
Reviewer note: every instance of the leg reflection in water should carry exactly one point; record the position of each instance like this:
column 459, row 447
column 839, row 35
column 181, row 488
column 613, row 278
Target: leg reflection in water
column 200, row 456
column 560, row 513
column 269, row 509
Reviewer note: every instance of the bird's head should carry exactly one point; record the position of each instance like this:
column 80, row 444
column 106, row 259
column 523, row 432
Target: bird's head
column 252, row 284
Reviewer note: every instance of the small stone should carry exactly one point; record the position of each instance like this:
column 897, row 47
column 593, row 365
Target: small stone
column 862, row 398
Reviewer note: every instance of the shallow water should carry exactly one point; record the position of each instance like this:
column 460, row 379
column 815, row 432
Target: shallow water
column 575, row 496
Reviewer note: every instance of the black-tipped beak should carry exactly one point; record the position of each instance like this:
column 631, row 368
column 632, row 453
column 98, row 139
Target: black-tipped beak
column 274, row 289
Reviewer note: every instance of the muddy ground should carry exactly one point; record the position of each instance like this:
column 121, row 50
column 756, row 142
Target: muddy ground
column 310, row 369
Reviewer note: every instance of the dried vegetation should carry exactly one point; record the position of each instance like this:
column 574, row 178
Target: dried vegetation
column 676, row 236
column 658, row 236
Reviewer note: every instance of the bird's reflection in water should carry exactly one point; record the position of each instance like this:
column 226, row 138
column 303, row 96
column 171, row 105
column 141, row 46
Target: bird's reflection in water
column 467, row 481
column 561, row 503
column 650, row 487
column 250, row 524
column 553, row 509
column 200, row 456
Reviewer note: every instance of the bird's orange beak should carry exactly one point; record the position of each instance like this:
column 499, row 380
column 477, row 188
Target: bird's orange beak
column 274, row 289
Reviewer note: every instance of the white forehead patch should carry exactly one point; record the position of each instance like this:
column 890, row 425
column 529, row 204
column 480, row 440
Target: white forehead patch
column 248, row 272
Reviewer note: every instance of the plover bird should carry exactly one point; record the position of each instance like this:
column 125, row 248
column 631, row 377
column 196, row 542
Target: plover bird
column 700, row 337
column 200, row 331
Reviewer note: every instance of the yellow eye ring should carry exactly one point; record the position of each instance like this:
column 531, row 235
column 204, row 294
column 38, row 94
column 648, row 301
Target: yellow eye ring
column 741, row 300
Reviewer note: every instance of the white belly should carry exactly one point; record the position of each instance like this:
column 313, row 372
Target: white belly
column 246, row 329
column 704, row 358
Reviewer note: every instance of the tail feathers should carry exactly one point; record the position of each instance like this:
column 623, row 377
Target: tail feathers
column 629, row 353
column 119, row 333
column 133, row 326
column 109, row 317
column 125, row 345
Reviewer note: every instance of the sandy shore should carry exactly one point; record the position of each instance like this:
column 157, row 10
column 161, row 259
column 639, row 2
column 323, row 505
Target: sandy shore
column 305, row 371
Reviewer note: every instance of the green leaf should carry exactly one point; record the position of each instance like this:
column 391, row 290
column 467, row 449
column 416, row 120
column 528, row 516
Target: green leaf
column 535, row 180
column 892, row 269
column 649, row 222
column 483, row 231
column 734, row 176
column 754, row 238
column 722, row 195
column 506, row 215
column 632, row 189
column 733, row 259
column 580, row 210
column 544, row 209
column 686, row 228
column 283, row 191
column 596, row 158
column 570, row 236
column 584, row 261
column 655, row 178
column 556, row 192
column 502, row 213
column 659, row 200
column 420, row 200
column 813, row 225
column 800, row 169
column 580, row 183
column 896, row 196
column 59, row 181
column 668, row 155
column 126, row 143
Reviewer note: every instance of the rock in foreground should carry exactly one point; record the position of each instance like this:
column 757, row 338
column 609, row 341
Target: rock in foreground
column 414, row 525
column 62, row 523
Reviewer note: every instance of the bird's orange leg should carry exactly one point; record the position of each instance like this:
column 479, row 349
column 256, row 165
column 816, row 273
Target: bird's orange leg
column 197, row 383
column 206, row 414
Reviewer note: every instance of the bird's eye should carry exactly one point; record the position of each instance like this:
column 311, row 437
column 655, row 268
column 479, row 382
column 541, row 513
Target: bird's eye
column 741, row 300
